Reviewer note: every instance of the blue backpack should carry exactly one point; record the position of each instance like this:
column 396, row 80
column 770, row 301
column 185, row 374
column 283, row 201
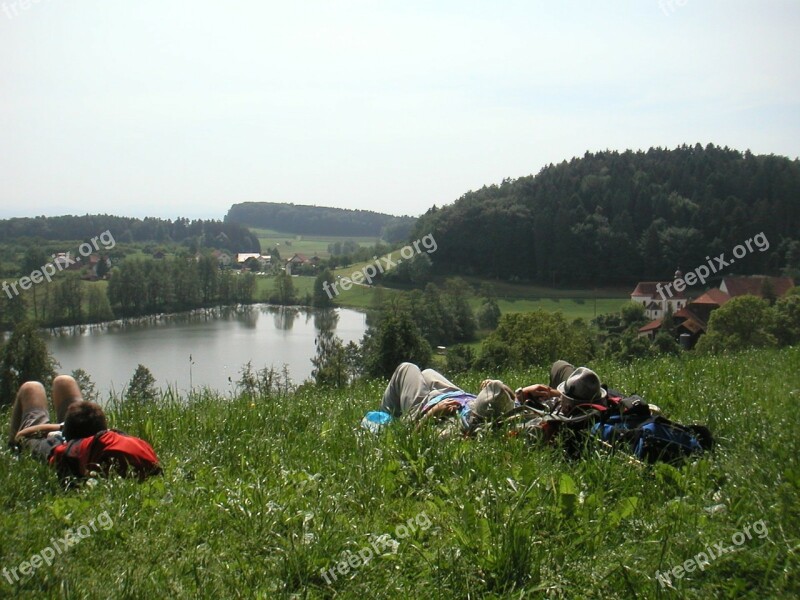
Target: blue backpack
column 651, row 438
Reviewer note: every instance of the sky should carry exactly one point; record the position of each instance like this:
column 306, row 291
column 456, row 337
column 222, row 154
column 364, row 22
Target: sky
column 180, row 108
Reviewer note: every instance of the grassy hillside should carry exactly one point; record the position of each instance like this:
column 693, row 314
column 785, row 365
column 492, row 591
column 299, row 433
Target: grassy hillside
column 261, row 497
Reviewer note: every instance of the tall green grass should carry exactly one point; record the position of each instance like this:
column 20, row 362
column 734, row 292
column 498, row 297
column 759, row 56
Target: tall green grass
column 260, row 496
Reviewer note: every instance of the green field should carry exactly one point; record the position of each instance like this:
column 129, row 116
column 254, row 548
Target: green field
column 262, row 497
column 511, row 298
column 310, row 245
column 573, row 308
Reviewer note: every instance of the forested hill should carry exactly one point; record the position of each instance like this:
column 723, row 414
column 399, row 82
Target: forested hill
column 318, row 220
column 616, row 217
column 228, row 236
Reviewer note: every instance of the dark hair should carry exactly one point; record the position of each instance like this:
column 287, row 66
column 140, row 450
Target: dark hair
column 84, row 419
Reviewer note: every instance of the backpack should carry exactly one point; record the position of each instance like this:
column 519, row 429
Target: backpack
column 655, row 438
column 106, row 451
column 625, row 423
column 630, row 425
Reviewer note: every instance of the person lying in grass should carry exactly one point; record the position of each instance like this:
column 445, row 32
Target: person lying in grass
column 422, row 395
column 569, row 387
column 79, row 444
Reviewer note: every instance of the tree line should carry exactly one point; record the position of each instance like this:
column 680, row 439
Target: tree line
column 612, row 217
column 319, row 220
column 143, row 287
column 197, row 233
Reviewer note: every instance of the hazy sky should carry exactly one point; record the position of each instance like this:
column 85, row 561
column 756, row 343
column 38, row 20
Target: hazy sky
column 181, row 108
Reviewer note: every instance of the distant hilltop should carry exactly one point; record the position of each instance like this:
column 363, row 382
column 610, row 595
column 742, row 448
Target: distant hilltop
column 616, row 218
column 320, row 220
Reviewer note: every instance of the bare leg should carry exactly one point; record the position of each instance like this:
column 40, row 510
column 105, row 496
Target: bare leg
column 65, row 392
column 31, row 395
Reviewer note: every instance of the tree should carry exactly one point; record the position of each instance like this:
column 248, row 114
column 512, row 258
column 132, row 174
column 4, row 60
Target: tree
column 330, row 361
column 25, row 357
column 354, row 360
column 102, row 268
column 208, row 269
column 35, row 258
column 463, row 323
column 633, row 315
column 489, row 314
column 86, row 385
column 245, row 288
column 631, row 346
column 98, row 309
column 494, row 356
column 127, row 289
column 252, row 264
column 768, row 291
column 284, row 290
column 460, row 358
column 66, row 301
column 786, row 326
column 537, row 338
column 142, row 386
column 322, row 298
column 394, row 340
column 743, row 322
column 666, row 344
column 13, row 310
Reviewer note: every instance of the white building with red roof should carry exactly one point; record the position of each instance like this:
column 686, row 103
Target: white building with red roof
column 655, row 297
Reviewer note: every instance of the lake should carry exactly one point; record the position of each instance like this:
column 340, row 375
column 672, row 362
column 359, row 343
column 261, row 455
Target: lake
column 220, row 342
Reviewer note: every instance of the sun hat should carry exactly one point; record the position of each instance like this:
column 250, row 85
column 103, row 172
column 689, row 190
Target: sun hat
column 582, row 387
column 493, row 401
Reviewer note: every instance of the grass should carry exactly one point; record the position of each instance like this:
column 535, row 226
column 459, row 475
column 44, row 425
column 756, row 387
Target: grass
column 266, row 285
column 573, row 308
column 310, row 245
column 262, row 496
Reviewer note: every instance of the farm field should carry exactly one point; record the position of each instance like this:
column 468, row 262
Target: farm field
column 282, row 496
column 310, row 245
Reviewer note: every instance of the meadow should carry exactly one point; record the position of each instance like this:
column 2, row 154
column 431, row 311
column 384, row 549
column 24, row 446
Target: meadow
column 283, row 495
column 310, row 245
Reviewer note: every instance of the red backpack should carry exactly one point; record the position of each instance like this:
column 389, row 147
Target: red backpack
column 106, row 451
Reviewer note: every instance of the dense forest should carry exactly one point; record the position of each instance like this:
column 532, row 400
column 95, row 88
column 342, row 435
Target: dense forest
column 211, row 234
column 318, row 220
column 613, row 217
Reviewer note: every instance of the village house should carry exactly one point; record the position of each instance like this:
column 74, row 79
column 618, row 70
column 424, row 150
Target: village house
column 756, row 285
column 301, row 260
column 653, row 295
column 691, row 320
column 264, row 260
column 223, row 258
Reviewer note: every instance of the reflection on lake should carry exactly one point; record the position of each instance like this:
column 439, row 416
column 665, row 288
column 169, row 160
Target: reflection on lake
column 219, row 343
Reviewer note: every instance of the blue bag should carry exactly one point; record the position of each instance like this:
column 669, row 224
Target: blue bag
column 653, row 439
column 375, row 420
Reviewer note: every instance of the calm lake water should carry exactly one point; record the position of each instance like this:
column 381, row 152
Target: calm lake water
column 220, row 343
